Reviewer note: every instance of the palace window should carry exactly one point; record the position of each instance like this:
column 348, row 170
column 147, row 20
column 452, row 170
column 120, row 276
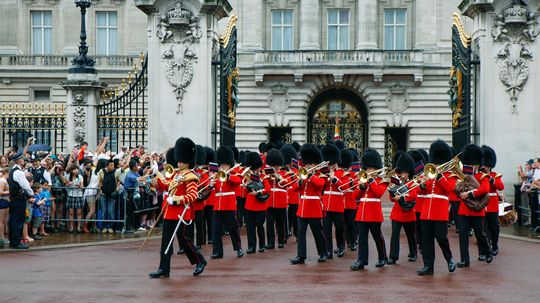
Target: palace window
column 107, row 33
column 395, row 29
column 282, row 29
column 338, row 29
column 41, row 32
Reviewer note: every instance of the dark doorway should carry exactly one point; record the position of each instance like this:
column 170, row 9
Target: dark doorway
column 395, row 138
column 283, row 134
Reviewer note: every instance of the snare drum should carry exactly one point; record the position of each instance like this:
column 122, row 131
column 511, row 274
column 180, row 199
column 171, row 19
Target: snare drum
column 507, row 214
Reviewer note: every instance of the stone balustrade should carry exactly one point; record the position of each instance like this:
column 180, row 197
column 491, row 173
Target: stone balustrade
column 65, row 61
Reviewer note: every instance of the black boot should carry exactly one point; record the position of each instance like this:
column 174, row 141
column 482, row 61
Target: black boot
column 199, row 268
column 216, row 256
column 452, row 265
column 158, row 274
column 358, row 265
column 250, row 251
column 341, row 253
column 391, row 261
column 322, row 259
column 489, row 258
column 482, row 258
column 463, row 264
column 381, row 263
column 240, row 253
column 298, row 260
column 425, row 271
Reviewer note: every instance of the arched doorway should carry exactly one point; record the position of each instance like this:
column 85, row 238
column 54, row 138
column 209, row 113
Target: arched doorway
column 338, row 113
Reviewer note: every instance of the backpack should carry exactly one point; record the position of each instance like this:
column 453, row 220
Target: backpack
column 108, row 186
column 38, row 174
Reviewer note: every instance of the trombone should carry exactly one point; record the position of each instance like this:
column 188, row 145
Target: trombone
column 431, row 171
column 223, row 175
column 363, row 176
column 303, row 173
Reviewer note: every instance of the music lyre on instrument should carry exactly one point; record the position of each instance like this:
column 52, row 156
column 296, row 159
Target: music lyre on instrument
column 303, row 173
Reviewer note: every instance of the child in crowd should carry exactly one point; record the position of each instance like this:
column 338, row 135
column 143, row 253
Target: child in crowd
column 75, row 200
column 37, row 216
column 45, row 208
column 28, row 213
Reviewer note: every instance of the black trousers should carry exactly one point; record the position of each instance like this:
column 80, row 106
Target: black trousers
column 130, row 216
column 477, row 224
column 336, row 219
column 351, row 232
column 208, row 219
column 418, row 231
column 17, row 211
column 193, row 254
column 240, row 212
column 255, row 228
column 315, row 225
column 454, row 207
column 363, row 250
column 276, row 219
column 197, row 237
column 394, row 240
column 492, row 228
column 227, row 218
column 293, row 219
column 432, row 230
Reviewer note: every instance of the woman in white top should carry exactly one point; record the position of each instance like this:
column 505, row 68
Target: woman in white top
column 4, row 203
column 90, row 194
column 75, row 200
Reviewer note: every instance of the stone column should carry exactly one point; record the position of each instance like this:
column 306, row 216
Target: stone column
column 426, row 22
column 367, row 24
column 83, row 91
column 310, row 25
column 252, row 26
column 181, row 41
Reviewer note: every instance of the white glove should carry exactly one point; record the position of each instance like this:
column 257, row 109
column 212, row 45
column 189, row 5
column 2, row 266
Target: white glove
column 170, row 201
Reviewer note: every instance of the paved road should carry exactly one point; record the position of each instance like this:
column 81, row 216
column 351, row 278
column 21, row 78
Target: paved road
column 115, row 273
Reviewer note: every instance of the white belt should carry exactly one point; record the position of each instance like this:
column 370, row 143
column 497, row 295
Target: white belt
column 278, row 189
column 348, row 191
column 437, row 196
column 421, row 196
column 493, row 194
column 229, row 193
column 370, row 200
column 337, row 193
column 310, row 197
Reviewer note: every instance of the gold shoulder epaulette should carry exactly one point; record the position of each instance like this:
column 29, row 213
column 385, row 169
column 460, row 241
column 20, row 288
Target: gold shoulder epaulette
column 190, row 176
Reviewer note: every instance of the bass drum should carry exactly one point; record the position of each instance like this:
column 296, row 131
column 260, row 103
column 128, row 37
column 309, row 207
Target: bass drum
column 507, row 214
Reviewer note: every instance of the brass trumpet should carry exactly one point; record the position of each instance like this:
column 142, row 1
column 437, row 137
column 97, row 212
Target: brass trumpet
column 223, row 175
column 431, row 171
column 304, row 172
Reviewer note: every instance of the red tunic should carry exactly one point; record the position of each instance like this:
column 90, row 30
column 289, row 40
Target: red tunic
column 278, row 194
column 181, row 192
column 350, row 200
column 370, row 209
column 254, row 204
column 493, row 205
column 481, row 191
column 398, row 214
column 310, row 205
column 204, row 180
column 420, row 198
column 334, row 198
column 436, row 203
column 292, row 190
column 225, row 193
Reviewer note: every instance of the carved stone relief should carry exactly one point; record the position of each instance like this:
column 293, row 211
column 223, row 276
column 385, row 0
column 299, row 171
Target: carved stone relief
column 79, row 117
column 516, row 28
column 279, row 101
column 178, row 30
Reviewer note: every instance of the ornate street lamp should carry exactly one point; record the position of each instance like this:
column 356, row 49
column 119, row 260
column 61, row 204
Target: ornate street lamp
column 82, row 63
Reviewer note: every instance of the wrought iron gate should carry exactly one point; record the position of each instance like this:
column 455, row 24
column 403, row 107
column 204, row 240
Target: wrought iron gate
column 460, row 85
column 123, row 117
column 45, row 122
column 228, row 84
column 348, row 125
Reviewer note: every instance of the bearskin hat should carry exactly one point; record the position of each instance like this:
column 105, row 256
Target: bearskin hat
column 288, row 152
column 169, row 157
column 253, row 160
column 274, row 158
column 262, row 147
column 405, row 163
column 278, row 144
column 346, row 159
column 490, row 157
column 225, row 155
column 236, row 153
column 296, row 146
column 269, row 146
column 210, row 155
column 242, row 156
column 417, row 156
column 185, row 151
column 340, row 144
column 355, row 154
column 454, row 151
column 425, row 154
column 371, row 158
column 396, row 157
column 472, row 154
column 331, row 153
column 201, row 155
column 439, row 152
column 310, row 154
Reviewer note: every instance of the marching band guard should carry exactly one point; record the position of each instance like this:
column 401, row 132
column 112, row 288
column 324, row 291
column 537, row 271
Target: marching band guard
column 334, row 200
column 255, row 208
column 208, row 214
column 492, row 210
column 225, row 205
column 369, row 216
column 293, row 197
column 199, row 204
column 182, row 191
column 310, row 210
column 276, row 213
column 351, row 232
column 434, row 214
column 472, row 155
column 403, row 214
column 454, row 202
column 419, row 159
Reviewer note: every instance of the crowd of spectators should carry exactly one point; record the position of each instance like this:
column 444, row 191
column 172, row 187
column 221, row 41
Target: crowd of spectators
column 529, row 175
column 83, row 191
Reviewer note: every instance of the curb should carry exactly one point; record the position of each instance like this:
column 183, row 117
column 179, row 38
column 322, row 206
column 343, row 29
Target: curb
column 77, row 245
column 519, row 238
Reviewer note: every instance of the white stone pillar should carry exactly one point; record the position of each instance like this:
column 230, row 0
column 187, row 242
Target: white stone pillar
column 83, row 91
column 310, row 24
column 251, row 25
column 426, row 23
column 367, row 24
